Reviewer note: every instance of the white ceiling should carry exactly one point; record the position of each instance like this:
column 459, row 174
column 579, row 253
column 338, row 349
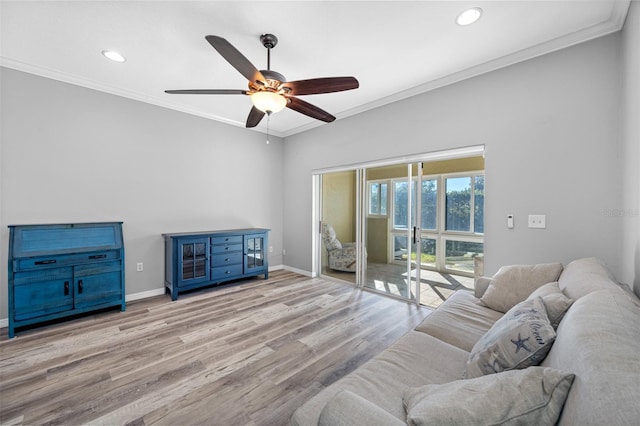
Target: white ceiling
column 395, row 49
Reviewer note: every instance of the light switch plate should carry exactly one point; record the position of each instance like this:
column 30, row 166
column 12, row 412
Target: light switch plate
column 537, row 221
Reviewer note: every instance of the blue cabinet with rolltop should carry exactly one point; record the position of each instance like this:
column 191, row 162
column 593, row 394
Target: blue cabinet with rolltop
column 64, row 269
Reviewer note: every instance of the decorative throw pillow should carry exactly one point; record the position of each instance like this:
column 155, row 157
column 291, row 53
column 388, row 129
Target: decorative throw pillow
column 534, row 396
column 329, row 238
column 513, row 284
column 555, row 302
column 521, row 338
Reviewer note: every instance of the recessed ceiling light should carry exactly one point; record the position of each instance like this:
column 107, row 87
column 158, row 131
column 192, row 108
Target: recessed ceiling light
column 469, row 16
column 113, row 55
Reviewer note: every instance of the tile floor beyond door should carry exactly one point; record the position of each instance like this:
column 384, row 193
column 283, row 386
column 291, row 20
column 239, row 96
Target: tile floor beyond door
column 435, row 287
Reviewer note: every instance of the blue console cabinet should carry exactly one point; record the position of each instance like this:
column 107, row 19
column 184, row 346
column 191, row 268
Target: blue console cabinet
column 198, row 259
column 61, row 270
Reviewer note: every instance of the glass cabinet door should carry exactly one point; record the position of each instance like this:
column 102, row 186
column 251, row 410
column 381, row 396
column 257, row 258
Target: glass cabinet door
column 254, row 252
column 194, row 260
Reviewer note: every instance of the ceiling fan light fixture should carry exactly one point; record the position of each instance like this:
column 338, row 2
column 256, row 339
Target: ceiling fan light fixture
column 113, row 55
column 469, row 16
column 268, row 102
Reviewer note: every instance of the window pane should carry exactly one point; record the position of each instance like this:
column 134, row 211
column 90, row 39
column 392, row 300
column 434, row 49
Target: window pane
column 374, row 199
column 428, row 252
column 429, row 204
column 400, row 205
column 458, row 204
column 459, row 254
column 383, row 199
column 400, row 247
column 478, row 214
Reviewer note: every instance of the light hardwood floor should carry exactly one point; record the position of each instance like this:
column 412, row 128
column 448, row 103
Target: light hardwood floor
column 240, row 354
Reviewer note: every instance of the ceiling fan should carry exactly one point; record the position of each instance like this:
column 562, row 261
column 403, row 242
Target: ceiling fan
column 269, row 90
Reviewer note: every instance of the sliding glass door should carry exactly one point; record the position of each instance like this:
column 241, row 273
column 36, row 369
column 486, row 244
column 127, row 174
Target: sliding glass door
column 396, row 225
column 392, row 230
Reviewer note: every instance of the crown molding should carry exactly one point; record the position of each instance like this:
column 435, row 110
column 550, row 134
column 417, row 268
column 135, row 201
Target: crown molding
column 613, row 24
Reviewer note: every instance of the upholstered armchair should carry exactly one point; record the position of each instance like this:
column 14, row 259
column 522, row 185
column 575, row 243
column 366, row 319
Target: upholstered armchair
column 342, row 257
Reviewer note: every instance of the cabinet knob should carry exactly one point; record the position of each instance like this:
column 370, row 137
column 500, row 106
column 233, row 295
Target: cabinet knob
column 66, row 288
column 80, row 285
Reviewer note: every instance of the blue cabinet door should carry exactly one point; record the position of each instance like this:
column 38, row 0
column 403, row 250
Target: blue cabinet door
column 255, row 261
column 97, row 284
column 38, row 293
column 193, row 261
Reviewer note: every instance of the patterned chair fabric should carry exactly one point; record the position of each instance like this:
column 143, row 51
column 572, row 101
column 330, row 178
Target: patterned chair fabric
column 342, row 257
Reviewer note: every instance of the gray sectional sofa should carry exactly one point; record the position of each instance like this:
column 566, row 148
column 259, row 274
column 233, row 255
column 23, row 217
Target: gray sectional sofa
column 589, row 376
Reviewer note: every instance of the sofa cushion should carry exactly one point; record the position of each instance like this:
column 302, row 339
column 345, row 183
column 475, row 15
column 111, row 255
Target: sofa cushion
column 460, row 320
column 584, row 276
column 521, row 338
column 514, row 283
column 413, row 360
column 350, row 409
column 555, row 302
column 532, row 396
column 599, row 340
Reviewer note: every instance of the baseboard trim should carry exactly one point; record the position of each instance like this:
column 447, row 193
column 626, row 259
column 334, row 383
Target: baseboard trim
column 298, row 271
column 144, row 294
column 276, row 268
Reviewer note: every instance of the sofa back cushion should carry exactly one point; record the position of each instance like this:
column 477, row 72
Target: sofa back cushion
column 514, row 283
column 598, row 340
column 583, row 276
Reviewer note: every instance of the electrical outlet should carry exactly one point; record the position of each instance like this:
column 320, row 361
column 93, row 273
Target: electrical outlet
column 284, row 252
column 537, row 221
column 270, row 249
column 139, row 267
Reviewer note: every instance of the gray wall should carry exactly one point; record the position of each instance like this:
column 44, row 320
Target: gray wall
column 71, row 154
column 550, row 126
column 630, row 206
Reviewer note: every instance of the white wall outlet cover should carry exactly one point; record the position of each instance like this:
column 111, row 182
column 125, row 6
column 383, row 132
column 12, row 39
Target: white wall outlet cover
column 537, row 221
column 510, row 221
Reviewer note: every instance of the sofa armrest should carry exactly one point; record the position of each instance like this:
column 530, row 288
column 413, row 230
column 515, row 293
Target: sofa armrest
column 347, row 408
column 481, row 285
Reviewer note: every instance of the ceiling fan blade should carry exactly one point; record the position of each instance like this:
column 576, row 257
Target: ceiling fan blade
column 316, row 86
column 235, row 58
column 306, row 108
column 255, row 116
column 207, row 92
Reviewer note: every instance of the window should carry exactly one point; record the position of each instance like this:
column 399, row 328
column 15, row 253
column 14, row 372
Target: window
column 400, row 203
column 377, row 198
column 451, row 228
column 429, row 210
column 464, row 204
column 478, row 210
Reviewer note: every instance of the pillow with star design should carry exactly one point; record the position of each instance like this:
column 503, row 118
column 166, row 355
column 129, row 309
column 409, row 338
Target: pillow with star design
column 519, row 339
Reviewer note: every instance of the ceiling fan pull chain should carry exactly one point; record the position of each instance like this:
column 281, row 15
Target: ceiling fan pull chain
column 268, row 120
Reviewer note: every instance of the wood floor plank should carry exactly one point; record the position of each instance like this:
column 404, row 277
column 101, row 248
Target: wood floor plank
column 248, row 353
